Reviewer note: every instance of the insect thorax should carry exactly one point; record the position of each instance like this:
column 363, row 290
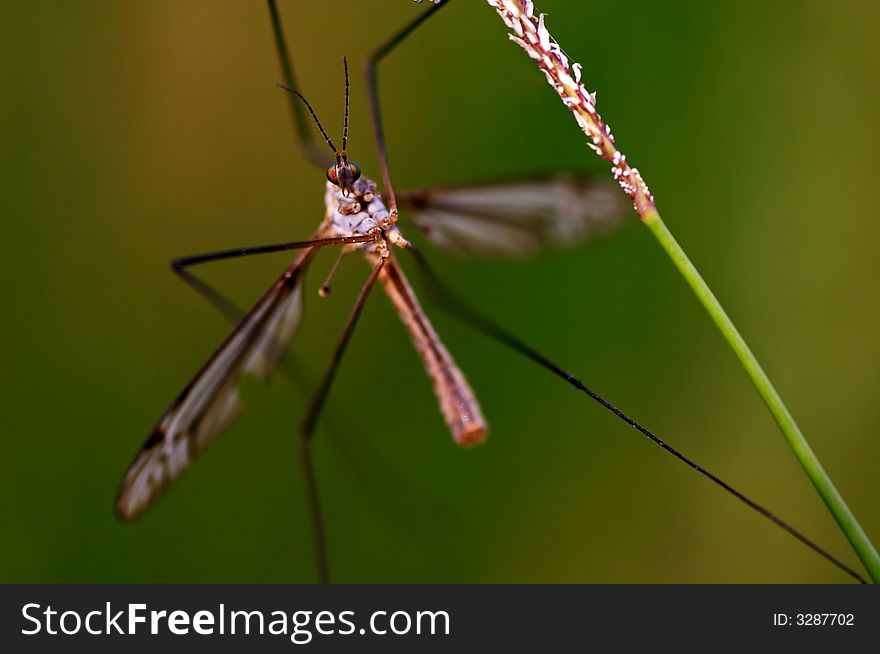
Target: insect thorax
column 359, row 213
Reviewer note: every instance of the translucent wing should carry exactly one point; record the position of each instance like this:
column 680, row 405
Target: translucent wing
column 210, row 400
column 515, row 218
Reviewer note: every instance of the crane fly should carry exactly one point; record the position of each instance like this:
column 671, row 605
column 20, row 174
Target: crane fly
column 512, row 217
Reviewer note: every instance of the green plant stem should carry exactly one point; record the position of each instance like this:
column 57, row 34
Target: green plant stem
column 854, row 533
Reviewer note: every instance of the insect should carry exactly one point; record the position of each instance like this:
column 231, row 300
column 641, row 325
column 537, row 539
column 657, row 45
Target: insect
column 513, row 217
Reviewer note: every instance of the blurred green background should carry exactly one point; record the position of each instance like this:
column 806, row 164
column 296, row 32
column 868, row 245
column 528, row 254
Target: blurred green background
column 134, row 132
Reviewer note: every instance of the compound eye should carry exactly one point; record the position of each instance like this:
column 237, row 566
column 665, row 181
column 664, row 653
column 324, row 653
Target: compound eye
column 355, row 171
column 331, row 175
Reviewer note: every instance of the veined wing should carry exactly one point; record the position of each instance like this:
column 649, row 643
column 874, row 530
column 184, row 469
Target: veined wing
column 515, row 218
column 210, row 400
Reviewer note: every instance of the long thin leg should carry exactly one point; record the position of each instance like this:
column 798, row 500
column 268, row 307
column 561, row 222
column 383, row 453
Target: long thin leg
column 228, row 308
column 317, row 403
column 390, row 478
column 370, row 70
column 220, row 301
column 223, row 304
column 462, row 311
column 311, row 151
column 194, row 259
column 380, row 473
column 307, row 429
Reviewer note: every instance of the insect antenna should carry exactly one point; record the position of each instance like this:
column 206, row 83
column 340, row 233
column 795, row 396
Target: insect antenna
column 290, row 89
column 345, row 115
column 462, row 311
